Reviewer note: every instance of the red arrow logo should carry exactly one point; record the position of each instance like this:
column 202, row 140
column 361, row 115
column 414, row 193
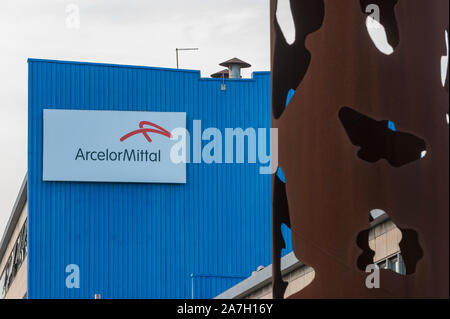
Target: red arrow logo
column 143, row 130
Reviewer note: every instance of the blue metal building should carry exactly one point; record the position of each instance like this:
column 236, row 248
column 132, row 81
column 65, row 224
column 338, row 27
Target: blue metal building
column 147, row 240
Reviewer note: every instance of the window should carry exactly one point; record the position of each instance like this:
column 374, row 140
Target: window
column 15, row 260
column 394, row 263
column 2, row 285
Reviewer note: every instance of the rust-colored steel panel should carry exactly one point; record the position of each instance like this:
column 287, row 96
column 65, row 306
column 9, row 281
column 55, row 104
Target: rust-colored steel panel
column 339, row 157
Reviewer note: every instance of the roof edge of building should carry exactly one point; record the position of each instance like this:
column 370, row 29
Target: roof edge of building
column 260, row 278
column 14, row 217
column 113, row 65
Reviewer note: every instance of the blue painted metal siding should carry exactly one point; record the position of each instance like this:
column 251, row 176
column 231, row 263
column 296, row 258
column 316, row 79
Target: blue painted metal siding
column 145, row 240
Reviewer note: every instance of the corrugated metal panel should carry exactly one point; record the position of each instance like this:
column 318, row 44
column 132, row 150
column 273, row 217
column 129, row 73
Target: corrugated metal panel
column 146, row 240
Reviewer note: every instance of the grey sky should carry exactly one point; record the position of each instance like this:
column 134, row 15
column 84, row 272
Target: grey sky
column 137, row 32
column 134, row 32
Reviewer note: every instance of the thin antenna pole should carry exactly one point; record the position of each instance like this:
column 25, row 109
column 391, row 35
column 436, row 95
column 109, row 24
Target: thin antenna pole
column 183, row 49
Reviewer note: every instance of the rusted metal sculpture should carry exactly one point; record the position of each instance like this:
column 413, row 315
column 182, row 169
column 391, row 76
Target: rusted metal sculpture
column 340, row 159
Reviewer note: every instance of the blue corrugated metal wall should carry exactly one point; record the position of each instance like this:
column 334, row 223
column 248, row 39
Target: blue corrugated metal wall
column 147, row 240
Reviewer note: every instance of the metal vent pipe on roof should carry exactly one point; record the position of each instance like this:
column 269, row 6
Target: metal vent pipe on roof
column 234, row 66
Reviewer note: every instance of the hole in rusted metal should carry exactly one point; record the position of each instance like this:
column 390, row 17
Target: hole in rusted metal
column 381, row 24
column 286, row 20
column 377, row 141
column 388, row 246
column 280, row 211
column 444, row 64
column 289, row 71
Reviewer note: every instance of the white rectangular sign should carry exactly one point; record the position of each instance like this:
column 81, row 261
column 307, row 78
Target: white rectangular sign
column 111, row 146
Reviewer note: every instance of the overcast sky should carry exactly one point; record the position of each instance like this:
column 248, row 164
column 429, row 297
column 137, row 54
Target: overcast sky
column 137, row 32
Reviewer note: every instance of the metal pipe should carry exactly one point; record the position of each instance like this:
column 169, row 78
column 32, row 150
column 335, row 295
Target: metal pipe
column 183, row 49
